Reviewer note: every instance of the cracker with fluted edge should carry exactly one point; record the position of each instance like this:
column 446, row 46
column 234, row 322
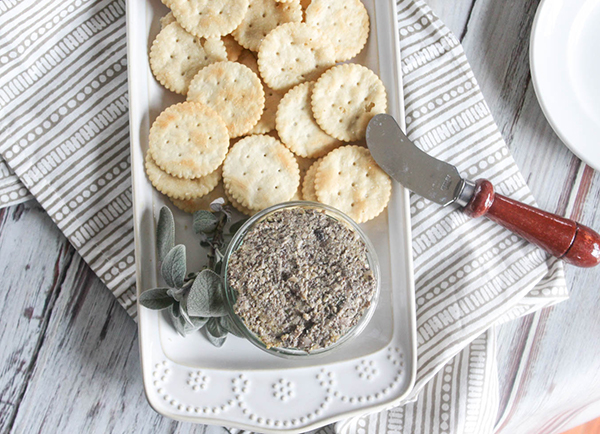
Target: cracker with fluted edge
column 297, row 127
column 180, row 188
column 303, row 164
column 308, row 183
column 201, row 203
column 167, row 19
column 344, row 100
column 233, row 91
column 262, row 17
column 292, row 54
column 260, row 171
column 208, row 18
column 349, row 179
column 345, row 22
column 188, row 140
column 176, row 56
column 241, row 208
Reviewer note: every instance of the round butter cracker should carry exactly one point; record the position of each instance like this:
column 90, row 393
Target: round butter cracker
column 188, row 140
column 167, row 19
column 292, row 54
column 308, row 183
column 345, row 22
column 233, row 91
column 241, row 208
column 260, row 171
column 201, row 203
column 297, row 127
column 176, row 56
column 349, row 179
column 209, row 18
column 262, row 17
column 180, row 188
column 344, row 100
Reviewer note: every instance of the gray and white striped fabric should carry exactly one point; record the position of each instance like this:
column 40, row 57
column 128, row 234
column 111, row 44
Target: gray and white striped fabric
column 64, row 132
column 64, row 139
column 12, row 190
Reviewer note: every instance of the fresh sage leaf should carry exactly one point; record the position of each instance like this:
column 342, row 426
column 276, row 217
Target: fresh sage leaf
column 215, row 328
column 193, row 321
column 228, row 325
column 215, row 333
column 156, row 299
column 173, row 268
column 165, row 233
column 237, row 225
column 179, row 323
column 191, row 325
column 184, row 324
column 176, row 293
column 175, row 310
column 205, row 298
column 205, row 222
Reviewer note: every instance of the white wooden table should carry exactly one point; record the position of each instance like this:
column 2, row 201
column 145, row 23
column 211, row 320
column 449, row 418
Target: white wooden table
column 69, row 359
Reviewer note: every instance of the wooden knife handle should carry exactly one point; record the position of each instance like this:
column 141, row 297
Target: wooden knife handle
column 566, row 239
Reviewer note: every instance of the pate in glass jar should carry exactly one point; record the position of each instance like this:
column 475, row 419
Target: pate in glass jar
column 301, row 278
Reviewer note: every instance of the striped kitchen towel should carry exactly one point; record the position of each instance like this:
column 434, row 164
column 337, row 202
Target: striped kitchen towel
column 64, row 140
column 65, row 128
column 12, row 190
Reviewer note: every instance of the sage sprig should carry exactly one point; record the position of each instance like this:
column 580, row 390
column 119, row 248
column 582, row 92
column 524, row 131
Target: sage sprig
column 195, row 300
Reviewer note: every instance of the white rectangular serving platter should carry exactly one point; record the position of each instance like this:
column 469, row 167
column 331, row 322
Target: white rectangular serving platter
column 238, row 385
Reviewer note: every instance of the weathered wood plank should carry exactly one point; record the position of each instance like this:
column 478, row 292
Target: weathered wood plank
column 560, row 371
column 33, row 261
column 548, row 166
column 88, row 377
column 497, row 45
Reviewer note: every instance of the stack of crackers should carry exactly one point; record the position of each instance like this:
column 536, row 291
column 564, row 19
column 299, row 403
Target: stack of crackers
column 270, row 115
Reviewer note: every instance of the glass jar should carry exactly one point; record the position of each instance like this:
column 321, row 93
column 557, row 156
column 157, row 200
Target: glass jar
column 231, row 294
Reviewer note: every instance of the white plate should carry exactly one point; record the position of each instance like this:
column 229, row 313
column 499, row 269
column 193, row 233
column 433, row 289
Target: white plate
column 239, row 385
column 565, row 67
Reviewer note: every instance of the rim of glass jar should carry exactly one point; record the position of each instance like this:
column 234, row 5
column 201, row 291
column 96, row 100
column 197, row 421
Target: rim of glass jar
column 230, row 293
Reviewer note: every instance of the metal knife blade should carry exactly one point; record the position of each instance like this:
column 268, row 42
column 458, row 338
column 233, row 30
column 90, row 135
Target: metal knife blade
column 421, row 173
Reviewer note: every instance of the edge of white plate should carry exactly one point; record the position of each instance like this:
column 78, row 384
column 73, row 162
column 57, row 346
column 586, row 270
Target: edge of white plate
column 535, row 79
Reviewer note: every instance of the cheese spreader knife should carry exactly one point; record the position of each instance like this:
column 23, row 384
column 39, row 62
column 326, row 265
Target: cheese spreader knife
column 441, row 183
